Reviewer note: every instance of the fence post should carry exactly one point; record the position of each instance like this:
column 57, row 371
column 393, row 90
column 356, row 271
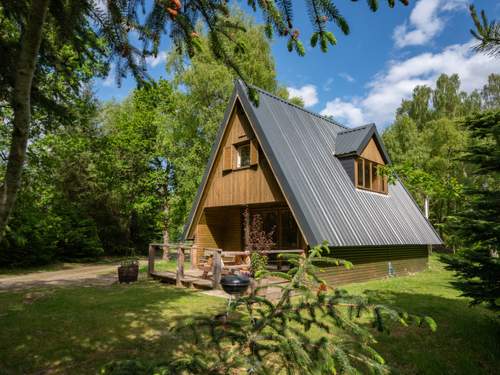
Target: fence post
column 180, row 266
column 151, row 259
column 217, row 269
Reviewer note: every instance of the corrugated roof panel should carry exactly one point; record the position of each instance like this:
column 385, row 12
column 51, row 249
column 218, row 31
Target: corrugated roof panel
column 301, row 147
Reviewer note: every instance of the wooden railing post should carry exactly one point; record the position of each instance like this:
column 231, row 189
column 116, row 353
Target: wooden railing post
column 217, row 269
column 180, row 266
column 151, row 259
column 193, row 257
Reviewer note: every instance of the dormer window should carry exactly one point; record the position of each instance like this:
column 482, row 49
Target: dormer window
column 368, row 176
column 243, row 155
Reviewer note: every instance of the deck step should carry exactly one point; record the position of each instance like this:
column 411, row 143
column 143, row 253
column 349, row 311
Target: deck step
column 187, row 281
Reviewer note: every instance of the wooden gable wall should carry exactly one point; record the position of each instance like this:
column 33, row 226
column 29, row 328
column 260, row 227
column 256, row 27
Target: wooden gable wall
column 232, row 186
column 372, row 152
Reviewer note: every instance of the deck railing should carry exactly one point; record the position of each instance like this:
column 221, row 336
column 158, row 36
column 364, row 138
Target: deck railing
column 218, row 255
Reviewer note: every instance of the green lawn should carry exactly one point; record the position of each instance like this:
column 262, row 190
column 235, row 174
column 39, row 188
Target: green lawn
column 78, row 329
column 467, row 340
column 165, row 265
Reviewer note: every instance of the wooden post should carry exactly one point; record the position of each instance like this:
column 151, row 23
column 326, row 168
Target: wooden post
column 151, row 259
column 193, row 256
column 180, row 266
column 217, row 269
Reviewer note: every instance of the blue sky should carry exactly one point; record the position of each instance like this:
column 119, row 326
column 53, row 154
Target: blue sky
column 387, row 54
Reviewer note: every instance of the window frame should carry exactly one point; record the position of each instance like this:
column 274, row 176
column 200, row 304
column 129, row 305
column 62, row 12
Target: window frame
column 238, row 155
column 373, row 179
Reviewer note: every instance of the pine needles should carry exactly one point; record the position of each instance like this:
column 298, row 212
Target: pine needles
column 309, row 330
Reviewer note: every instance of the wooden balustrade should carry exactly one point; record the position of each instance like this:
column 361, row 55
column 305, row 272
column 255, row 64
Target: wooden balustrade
column 218, row 255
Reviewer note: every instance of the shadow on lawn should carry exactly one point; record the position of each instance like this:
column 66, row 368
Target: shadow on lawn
column 78, row 330
column 466, row 340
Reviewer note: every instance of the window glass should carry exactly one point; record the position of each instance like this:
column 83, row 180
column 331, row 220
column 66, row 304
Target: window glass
column 270, row 224
column 375, row 177
column 289, row 231
column 360, row 172
column 243, row 156
column 367, row 175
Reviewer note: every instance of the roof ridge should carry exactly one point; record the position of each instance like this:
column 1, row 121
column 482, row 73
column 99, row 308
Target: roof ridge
column 357, row 128
column 295, row 106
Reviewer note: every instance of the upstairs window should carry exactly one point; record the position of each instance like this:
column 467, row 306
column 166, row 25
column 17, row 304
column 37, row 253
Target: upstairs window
column 243, row 155
column 368, row 176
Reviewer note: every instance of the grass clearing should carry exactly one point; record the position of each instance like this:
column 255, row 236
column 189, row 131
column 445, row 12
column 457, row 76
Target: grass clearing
column 466, row 340
column 165, row 265
column 78, row 329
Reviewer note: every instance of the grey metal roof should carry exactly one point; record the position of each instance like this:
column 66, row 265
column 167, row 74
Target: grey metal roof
column 300, row 147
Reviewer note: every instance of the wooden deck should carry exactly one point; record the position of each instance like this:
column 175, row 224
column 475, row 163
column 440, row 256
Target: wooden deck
column 191, row 279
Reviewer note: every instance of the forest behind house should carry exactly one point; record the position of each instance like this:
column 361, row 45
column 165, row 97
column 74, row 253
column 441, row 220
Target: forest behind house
column 114, row 176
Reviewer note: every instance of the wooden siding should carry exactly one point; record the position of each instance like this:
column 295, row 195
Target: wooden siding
column 373, row 263
column 372, row 152
column 229, row 186
column 240, row 186
column 219, row 228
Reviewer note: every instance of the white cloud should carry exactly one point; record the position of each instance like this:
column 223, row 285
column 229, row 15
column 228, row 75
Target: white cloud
column 307, row 93
column 401, row 76
column 327, row 86
column 344, row 111
column 426, row 21
column 111, row 77
column 347, row 77
column 159, row 59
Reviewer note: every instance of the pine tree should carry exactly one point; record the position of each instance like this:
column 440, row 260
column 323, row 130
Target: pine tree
column 477, row 265
column 486, row 33
column 318, row 331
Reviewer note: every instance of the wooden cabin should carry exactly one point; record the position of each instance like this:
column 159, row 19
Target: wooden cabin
column 311, row 179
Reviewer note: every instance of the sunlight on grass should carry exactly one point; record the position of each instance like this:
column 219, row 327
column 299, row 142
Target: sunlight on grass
column 165, row 265
column 78, row 329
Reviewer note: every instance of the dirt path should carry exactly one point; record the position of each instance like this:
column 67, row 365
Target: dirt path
column 99, row 274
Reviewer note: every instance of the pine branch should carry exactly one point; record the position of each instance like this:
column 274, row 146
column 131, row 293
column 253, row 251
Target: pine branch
column 487, row 33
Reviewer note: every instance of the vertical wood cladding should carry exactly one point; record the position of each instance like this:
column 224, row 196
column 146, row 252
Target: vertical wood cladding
column 372, row 152
column 219, row 228
column 373, row 263
column 229, row 186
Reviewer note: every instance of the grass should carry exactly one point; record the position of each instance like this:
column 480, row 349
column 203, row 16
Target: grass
column 165, row 265
column 466, row 340
column 78, row 329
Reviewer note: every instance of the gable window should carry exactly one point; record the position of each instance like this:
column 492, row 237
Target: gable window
column 243, row 155
column 368, row 176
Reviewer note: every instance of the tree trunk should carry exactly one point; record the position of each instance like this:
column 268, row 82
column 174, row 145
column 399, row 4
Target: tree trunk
column 166, row 238
column 21, row 103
